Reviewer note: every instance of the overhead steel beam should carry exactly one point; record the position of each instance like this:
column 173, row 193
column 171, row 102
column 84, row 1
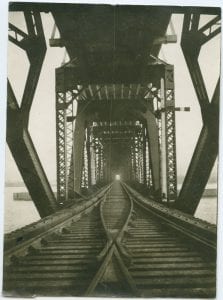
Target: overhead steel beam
column 70, row 75
column 18, row 137
column 64, row 7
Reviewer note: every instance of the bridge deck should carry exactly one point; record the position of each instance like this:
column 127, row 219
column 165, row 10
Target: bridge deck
column 116, row 245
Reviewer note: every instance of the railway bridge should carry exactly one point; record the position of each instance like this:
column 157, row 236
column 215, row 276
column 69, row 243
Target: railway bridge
column 117, row 225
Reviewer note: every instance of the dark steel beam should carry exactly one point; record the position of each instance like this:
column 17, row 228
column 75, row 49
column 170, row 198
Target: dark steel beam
column 203, row 160
column 88, row 146
column 63, row 7
column 78, row 147
column 216, row 23
column 35, row 46
column 36, row 51
column 19, row 38
column 69, row 76
column 18, row 138
column 190, row 44
column 27, row 160
column 64, row 143
column 206, row 149
column 154, row 151
column 168, row 137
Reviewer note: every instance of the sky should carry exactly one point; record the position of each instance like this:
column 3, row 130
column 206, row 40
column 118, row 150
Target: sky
column 42, row 118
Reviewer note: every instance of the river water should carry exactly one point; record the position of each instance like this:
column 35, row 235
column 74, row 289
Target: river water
column 21, row 213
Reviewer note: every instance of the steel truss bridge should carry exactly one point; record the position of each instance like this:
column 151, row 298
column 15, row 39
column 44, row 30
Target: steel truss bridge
column 115, row 115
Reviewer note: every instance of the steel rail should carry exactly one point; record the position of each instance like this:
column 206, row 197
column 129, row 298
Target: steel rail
column 168, row 257
column 19, row 242
column 179, row 223
column 136, row 277
column 114, row 248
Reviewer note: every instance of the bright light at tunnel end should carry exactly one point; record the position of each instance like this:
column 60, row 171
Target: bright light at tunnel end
column 117, row 177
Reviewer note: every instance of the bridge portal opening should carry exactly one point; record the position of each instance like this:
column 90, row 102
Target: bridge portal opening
column 117, row 177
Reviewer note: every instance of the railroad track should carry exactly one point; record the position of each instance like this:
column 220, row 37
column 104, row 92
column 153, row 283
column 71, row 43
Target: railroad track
column 63, row 264
column 164, row 264
column 121, row 245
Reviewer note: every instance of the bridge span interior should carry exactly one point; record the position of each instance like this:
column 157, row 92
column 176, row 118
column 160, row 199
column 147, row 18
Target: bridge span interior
column 117, row 224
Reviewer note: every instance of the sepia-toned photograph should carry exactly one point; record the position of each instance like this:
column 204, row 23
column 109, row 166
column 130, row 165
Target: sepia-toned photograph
column 112, row 138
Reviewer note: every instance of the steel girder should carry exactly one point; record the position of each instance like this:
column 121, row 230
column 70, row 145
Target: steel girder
column 79, row 147
column 99, row 159
column 168, row 138
column 89, row 158
column 142, row 110
column 18, row 138
column 85, row 169
column 206, row 150
column 64, row 143
column 160, row 120
column 116, row 139
column 140, row 167
column 154, row 149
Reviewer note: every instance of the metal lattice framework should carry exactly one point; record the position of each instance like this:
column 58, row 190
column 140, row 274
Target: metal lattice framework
column 153, row 95
column 64, row 138
column 171, row 154
column 139, row 159
column 148, row 179
column 168, row 127
column 84, row 180
column 69, row 139
column 99, row 162
column 61, row 147
column 162, row 98
column 133, row 161
column 164, row 107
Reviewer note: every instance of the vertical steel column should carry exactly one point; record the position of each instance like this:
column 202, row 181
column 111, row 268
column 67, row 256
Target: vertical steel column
column 64, row 142
column 93, row 166
column 133, row 159
column 61, row 147
column 168, row 138
column 149, row 179
column 84, row 179
column 153, row 139
column 136, row 158
column 141, row 161
column 145, row 165
column 97, row 160
column 127, row 163
column 69, row 142
column 102, row 163
column 78, row 146
column 99, row 164
column 88, row 147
